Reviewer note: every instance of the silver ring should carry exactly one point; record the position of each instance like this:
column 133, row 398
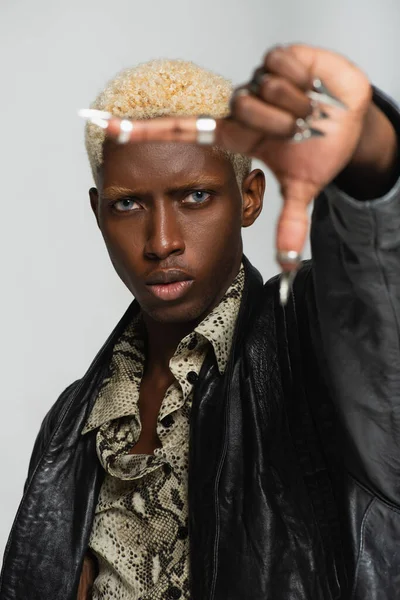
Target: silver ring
column 125, row 129
column 205, row 127
column 302, row 132
column 288, row 257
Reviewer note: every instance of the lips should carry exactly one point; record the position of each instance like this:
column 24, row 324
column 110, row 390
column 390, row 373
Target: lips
column 167, row 276
column 169, row 284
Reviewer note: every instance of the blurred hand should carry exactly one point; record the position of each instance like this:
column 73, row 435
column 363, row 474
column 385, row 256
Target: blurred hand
column 265, row 125
column 262, row 125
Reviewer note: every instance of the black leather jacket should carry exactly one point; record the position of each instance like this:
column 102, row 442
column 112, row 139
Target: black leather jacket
column 294, row 478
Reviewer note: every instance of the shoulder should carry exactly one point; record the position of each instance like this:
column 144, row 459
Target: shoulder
column 54, row 414
column 49, row 424
column 93, row 375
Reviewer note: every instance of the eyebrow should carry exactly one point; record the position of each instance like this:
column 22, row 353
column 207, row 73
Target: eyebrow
column 114, row 192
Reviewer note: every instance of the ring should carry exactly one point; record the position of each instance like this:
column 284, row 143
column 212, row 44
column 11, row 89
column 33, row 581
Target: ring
column 205, row 127
column 288, row 257
column 302, row 132
column 125, row 129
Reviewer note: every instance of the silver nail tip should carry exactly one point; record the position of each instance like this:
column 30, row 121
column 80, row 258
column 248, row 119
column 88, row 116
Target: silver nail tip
column 285, row 286
column 90, row 113
column 321, row 88
column 320, row 93
column 283, row 290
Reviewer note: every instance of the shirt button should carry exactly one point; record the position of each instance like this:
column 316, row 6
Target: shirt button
column 167, row 469
column 183, row 532
column 174, row 592
column 192, row 377
column 167, row 421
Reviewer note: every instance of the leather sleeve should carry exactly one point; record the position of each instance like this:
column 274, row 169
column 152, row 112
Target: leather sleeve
column 356, row 271
column 48, row 425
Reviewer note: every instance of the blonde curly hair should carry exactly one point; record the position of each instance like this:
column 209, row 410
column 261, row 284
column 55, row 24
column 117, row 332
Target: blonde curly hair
column 160, row 88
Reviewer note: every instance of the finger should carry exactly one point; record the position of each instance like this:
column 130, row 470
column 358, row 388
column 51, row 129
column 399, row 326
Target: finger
column 163, row 129
column 277, row 91
column 283, row 94
column 269, row 120
column 293, row 223
column 237, row 137
column 283, row 62
column 229, row 134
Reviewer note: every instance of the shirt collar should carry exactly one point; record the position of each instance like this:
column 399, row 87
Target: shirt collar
column 219, row 325
column 126, row 367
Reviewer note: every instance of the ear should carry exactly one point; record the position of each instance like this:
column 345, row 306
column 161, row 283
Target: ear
column 253, row 189
column 94, row 203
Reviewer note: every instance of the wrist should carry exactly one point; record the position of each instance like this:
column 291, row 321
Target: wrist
column 374, row 166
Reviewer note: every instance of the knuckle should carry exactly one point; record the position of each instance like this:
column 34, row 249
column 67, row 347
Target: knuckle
column 274, row 58
column 273, row 88
column 240, row 105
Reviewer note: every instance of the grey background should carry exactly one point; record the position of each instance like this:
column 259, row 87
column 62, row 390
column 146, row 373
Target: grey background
column 59, row 295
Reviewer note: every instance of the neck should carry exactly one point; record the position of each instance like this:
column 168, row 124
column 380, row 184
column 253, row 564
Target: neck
column 163, row 338
column 162, row 341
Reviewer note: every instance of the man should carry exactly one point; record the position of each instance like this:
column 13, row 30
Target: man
column 221, row 446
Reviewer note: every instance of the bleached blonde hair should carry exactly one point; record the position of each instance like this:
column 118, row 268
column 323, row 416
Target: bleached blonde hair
column 161, row 88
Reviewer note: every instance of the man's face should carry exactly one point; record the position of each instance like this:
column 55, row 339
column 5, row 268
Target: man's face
column 171, row 217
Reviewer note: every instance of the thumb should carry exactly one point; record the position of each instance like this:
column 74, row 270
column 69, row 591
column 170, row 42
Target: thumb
column 293, row 223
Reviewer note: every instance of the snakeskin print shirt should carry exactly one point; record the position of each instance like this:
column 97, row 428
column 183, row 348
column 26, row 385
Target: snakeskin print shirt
column 140, row 529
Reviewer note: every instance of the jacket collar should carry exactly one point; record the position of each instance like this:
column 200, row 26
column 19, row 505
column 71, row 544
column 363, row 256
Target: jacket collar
column 252, row 292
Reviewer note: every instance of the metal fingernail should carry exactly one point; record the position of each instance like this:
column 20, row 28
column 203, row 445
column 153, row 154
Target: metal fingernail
column 96, row 117
column 320, row 93
column 285, row 286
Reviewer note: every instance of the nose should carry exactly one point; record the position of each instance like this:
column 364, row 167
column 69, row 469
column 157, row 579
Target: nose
column 164, row 235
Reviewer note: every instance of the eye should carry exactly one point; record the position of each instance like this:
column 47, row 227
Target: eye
column 197, row 197
column 125, row 205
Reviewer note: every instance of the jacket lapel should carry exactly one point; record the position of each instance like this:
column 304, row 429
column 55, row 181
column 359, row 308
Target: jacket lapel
column 44, row 555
